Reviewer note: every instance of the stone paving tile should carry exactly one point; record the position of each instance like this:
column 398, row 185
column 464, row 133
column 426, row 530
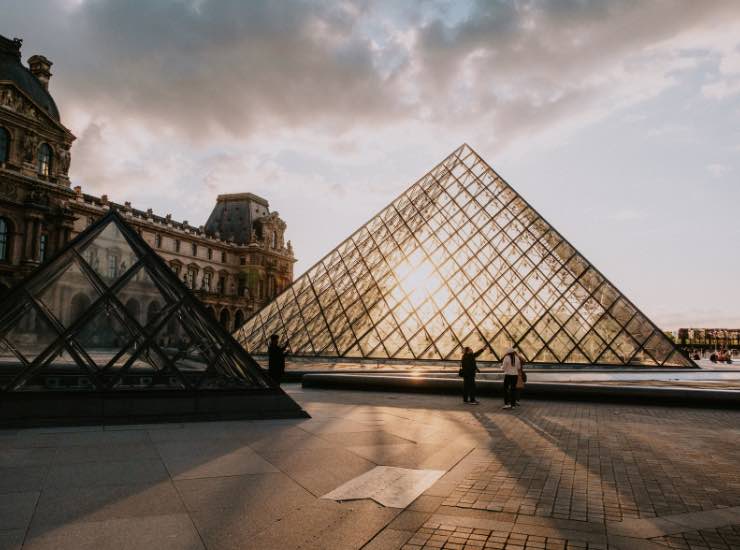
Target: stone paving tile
column 62, row 506
column 163, row 532
column 319, row 470
column 439, row 536
column 16, row 509
column 551, row 475
column 12, row 539
column 723, row 538
column 597, row 463
column 211, row 458
column 23, row 478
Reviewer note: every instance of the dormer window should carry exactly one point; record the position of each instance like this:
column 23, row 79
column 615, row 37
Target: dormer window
column 44, row 160
column 4, row 145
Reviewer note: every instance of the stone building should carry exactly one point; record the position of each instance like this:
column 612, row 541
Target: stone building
column 236, row 262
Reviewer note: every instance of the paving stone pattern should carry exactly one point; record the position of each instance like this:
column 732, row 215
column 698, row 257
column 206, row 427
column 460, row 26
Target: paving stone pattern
column 724, row 538
column 596, row 463
column 447, row 537
column 547, row 475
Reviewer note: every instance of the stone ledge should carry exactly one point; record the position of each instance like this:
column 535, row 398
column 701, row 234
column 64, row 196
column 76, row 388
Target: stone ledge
column 536, row 390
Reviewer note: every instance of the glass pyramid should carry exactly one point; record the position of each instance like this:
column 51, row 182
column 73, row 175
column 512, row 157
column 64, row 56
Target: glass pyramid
column 460, row 259
column 106, row 314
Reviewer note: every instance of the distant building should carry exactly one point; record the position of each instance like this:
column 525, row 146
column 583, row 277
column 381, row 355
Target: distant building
column 709, row 337
column 236, row 263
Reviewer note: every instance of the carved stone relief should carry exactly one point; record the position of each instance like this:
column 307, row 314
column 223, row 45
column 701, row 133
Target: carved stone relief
column 8, row 189
column 11, row 99
column 64, row 159
column 29, row 146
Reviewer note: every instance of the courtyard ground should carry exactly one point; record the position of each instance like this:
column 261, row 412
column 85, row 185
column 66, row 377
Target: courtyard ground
column 548, row 475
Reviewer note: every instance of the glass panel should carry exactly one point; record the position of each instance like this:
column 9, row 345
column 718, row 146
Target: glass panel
column 140, row 296
column 561, row 345
column 607, row 328
column 109, row 254
column 592, row 346
column 677, row 359
column 609, row 358
column 104, row 335
column 500, row 343
column 624, row 346
column 546, row 356
column 577, row 356
column 69, row 295
column 30, row 335
column 659, row 347
column 639, row 328
column 530, row 345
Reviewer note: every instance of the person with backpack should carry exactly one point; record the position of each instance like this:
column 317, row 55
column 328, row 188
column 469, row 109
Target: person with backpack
column 514, row 378
column 468, row 369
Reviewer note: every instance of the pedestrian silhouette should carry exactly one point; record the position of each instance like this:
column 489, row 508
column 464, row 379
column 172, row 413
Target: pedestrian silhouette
column 276, row 359
column 468, row 368
column 512, row 367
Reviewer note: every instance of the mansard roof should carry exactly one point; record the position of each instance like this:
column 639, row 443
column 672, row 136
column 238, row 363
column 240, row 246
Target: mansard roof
column 12, row 70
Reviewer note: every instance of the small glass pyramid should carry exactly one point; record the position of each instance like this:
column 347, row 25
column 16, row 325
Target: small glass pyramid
column 107, row 314
column 460, row 259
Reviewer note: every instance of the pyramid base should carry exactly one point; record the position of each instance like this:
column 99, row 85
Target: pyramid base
column 30, row 409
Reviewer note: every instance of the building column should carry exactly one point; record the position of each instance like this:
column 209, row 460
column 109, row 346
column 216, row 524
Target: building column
column 36, row 237
column 28, row 241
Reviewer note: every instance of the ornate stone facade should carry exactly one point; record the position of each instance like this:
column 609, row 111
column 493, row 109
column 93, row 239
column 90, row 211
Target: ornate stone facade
column 236, row 263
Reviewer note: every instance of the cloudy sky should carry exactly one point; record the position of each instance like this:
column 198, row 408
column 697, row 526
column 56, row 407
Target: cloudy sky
column 619, row 120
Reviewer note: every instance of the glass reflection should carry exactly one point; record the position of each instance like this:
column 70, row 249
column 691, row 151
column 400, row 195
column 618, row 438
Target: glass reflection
column 461, row 259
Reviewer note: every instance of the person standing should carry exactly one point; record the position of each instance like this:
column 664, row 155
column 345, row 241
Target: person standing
column 468, row 369
column 512, row 367
column 276, row 358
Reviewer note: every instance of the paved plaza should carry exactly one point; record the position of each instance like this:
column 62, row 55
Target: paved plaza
column 549, row 475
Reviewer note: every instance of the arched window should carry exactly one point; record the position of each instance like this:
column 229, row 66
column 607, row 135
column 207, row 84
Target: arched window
column 238, row 319
column 274, row 239
column 45, row 156
column 4, row 239
column 225, row 318
column 4, row 145
column 191, row 277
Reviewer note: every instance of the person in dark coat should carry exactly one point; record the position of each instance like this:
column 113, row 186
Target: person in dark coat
column 468, row 368
column 276, row 358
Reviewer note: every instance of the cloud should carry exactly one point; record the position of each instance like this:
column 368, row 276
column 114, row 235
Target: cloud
column 201, row 68
column 627, row 214
column 717, row 170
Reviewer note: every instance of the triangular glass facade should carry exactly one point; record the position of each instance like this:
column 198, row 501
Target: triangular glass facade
column 107, row 314
column 460, row 259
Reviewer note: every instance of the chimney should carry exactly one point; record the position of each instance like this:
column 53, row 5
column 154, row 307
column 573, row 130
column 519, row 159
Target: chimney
column 39, row 67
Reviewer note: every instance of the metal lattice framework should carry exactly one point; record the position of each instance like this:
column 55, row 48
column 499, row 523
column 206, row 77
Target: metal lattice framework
column 107, row 314
column 460, row 259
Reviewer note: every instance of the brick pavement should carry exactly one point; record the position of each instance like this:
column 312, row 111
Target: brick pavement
column 447, row 537
column 598, row 462
column 723, row 538
column 629, row 477
column 549, row 475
